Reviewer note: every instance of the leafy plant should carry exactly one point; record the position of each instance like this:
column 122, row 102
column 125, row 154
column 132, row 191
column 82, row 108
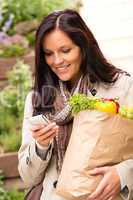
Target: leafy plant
column 8, row 121
column 13, row 95
column 3, row 11
column 12, row 104
column 9, row 195
column 10, row 142
column 12, row 50
column 15, row 195
column 14, row 11
column 80, row 102
column 31, row 38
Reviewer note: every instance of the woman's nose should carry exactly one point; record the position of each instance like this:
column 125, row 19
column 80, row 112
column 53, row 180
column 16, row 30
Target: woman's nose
column 58, row 60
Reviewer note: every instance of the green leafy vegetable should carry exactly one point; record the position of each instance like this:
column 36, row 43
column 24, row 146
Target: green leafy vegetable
column 81, row 102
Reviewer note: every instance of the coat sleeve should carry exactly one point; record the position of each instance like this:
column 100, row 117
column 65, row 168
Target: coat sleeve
column 31, row 165
column 125, row 168
column 125, row 171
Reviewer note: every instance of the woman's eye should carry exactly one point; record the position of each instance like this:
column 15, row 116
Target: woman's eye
column 48, row 54
column 66, row 50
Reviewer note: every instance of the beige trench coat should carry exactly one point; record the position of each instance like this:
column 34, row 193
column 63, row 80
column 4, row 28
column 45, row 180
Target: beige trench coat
column 32, row 165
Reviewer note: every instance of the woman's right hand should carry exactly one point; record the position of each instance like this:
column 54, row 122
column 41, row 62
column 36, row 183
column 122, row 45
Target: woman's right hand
column 43, row 134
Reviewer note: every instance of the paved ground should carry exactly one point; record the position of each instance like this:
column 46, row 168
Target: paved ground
column 112, row 24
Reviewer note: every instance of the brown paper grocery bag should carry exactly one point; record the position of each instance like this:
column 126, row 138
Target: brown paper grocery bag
column 97, row 139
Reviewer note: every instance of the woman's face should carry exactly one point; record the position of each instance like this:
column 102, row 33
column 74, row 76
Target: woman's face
column 62, row 55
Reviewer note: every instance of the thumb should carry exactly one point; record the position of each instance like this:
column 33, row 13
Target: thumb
column 98, row 170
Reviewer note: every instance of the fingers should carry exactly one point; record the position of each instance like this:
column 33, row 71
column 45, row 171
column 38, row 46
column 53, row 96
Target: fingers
column 44, row 127
column 47, row 135
column 99, row 170
column 109, row 186
column 99, row 190
column 43, row 134
column 43, row 130
column 43, row 140
column 106, row 194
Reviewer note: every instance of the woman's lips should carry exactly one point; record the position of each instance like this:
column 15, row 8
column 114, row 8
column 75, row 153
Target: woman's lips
column 62, row 68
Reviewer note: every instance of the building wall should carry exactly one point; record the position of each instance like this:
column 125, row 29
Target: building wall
column 112, row 24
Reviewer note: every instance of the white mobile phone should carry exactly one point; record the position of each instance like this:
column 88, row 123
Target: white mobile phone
column 39, row 119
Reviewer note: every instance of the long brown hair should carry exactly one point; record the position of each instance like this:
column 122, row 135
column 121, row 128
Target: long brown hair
column 93, row 61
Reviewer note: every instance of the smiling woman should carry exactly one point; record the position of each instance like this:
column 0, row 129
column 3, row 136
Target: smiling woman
column 68, row 60
column 62, row 55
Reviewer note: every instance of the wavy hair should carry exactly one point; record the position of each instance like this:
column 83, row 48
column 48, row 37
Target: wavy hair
column 93, row 61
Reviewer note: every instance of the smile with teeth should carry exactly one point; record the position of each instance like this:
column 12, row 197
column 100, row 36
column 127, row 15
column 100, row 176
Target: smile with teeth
column 63, row 67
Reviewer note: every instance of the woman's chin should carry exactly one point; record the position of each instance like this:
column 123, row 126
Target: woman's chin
column 64, row 78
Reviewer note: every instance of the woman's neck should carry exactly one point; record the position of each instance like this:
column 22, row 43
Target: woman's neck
column 73, row 83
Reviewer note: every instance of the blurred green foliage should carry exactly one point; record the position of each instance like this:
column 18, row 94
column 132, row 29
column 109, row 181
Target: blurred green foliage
column 9, row 195
column 12, row 99
column 23, row 10
column 12, row 50
column 31, row 38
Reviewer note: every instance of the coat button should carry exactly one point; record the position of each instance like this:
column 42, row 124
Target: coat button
column 55, row 184
column 27, row 160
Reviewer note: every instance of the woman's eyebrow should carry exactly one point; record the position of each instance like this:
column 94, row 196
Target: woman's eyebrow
column 46, row 50
column 61, row 47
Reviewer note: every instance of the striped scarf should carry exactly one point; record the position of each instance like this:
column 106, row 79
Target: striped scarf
column 64, row 118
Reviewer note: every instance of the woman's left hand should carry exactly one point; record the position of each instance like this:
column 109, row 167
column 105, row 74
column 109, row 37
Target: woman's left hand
column 109, row 187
